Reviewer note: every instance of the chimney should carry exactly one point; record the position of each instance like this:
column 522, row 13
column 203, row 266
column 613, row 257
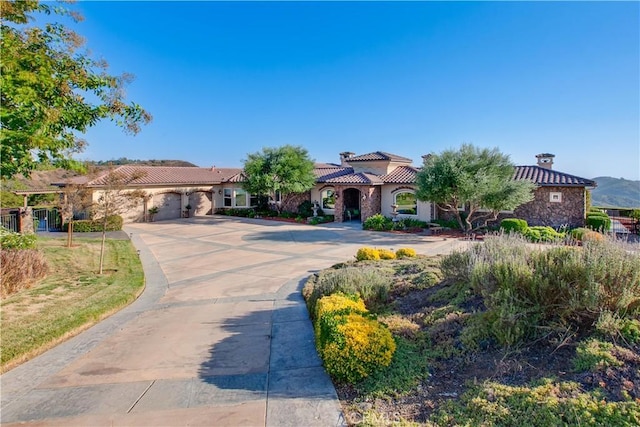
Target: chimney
column 213, row 168
column 545, row 160
column 344, row 156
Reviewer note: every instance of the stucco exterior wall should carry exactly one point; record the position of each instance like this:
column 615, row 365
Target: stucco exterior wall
column 424, row 209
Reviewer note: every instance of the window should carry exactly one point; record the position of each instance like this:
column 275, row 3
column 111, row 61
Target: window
column 555, row 197
column 227, row 197
column 253, row 200
column 328, row 199
column 240, row 198
column 406, row 202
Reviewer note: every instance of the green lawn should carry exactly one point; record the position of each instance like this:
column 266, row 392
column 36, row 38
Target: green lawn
column 71, row 298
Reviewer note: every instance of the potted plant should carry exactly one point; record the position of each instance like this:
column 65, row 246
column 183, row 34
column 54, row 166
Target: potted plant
column 187, row 211
column 152, row 212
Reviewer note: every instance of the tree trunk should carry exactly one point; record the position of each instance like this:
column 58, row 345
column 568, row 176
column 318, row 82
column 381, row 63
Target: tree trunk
column 70, row 234
column 104, row 238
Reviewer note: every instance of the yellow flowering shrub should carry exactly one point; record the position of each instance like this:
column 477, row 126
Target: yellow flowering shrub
column 367, row 254
column 386, row 254
column 339, row 303
column 406, row 253
column 351, row 344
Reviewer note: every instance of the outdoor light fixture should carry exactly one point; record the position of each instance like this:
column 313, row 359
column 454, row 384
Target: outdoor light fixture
column 220, row 191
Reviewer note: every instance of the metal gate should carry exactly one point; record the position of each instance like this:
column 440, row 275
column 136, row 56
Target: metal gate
column 10, row 221
column 47, row 219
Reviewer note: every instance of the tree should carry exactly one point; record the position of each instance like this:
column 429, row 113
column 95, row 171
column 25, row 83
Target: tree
column 287, row 170
column 45, row 79
column 480, row 181
column 114, row 199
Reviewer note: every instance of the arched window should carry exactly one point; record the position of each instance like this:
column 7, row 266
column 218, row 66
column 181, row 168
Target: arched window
column 328, row 198
column 406, row 202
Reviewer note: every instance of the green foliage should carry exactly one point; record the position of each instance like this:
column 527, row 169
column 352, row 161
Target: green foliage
column 9, row 199
column 44, row 79
column 287, row 169
column 406, row 370
column 515, row 225
column 114, row 223
column 351, row 344
column 406, row 253
column 598, row 221
column 547, row 404
column 594, row 354
column 377, row 222
column 525, row 289
column 447, row 223
column 11, row 240
column 367, row 254
column 372, row 285
column 479, row 179
column 540, row 233
column 305, row 209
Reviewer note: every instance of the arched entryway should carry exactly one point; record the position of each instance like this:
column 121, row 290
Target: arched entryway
column 351, row 202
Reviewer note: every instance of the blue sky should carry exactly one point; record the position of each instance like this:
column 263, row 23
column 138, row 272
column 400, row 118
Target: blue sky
column 226, row 79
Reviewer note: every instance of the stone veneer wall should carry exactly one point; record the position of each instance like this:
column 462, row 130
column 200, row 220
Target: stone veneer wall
column 541, row 211
column 369, row 206
column 290, row 202
column 372, row 204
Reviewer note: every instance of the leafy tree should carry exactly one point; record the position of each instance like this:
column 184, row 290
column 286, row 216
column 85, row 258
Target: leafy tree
column 45, row 79
column 287, row 170
column 478, row 180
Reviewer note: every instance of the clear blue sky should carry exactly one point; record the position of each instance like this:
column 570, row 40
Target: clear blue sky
column 226, row 79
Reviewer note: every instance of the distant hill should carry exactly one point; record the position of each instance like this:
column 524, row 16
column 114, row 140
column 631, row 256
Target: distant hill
column 616, row 192
column 124, row 161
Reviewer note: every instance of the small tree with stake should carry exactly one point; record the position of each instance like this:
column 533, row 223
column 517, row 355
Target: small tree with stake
column 114, row 199
column 478, row 180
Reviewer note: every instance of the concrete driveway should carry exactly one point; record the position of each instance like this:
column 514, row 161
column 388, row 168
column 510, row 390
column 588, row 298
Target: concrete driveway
column 221, row 335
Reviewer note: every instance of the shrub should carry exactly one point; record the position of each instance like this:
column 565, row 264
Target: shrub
column 585, row 234
column 514, row 225
column 21, row 268
column 386, row 254
column 351, row 344
column 526, row 290
column 377, row 222
column 114, row 223
column 598, row 221
column 11, row 240
column 543, row 234
column 365, row 253
column 371, row 285
column 305, row 209
column 405, row 253
column 594, row 354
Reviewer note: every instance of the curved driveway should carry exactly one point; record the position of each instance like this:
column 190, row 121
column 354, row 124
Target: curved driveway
column 220, row 336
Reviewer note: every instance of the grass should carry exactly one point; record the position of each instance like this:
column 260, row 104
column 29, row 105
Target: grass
column 70, row 299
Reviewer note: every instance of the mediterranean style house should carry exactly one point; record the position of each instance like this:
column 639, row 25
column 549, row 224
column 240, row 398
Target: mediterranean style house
column 358, row 187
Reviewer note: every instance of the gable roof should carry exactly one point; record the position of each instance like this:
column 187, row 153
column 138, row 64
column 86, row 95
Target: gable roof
column 548, row 177
column 355, row 178
column 378, row 155
column 170, row 175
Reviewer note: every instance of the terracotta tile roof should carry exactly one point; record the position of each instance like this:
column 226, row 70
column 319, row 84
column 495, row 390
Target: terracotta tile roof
column 378, row 155
column 401, row 175
column 356, row 178
column 166, row 175
column 324, row 174
column 549, row 177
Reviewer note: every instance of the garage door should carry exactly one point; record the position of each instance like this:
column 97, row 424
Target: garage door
column 200, row 202
column 168, row 205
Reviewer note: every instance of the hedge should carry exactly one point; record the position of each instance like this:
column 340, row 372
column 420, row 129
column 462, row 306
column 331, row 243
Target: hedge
column 114, row 223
